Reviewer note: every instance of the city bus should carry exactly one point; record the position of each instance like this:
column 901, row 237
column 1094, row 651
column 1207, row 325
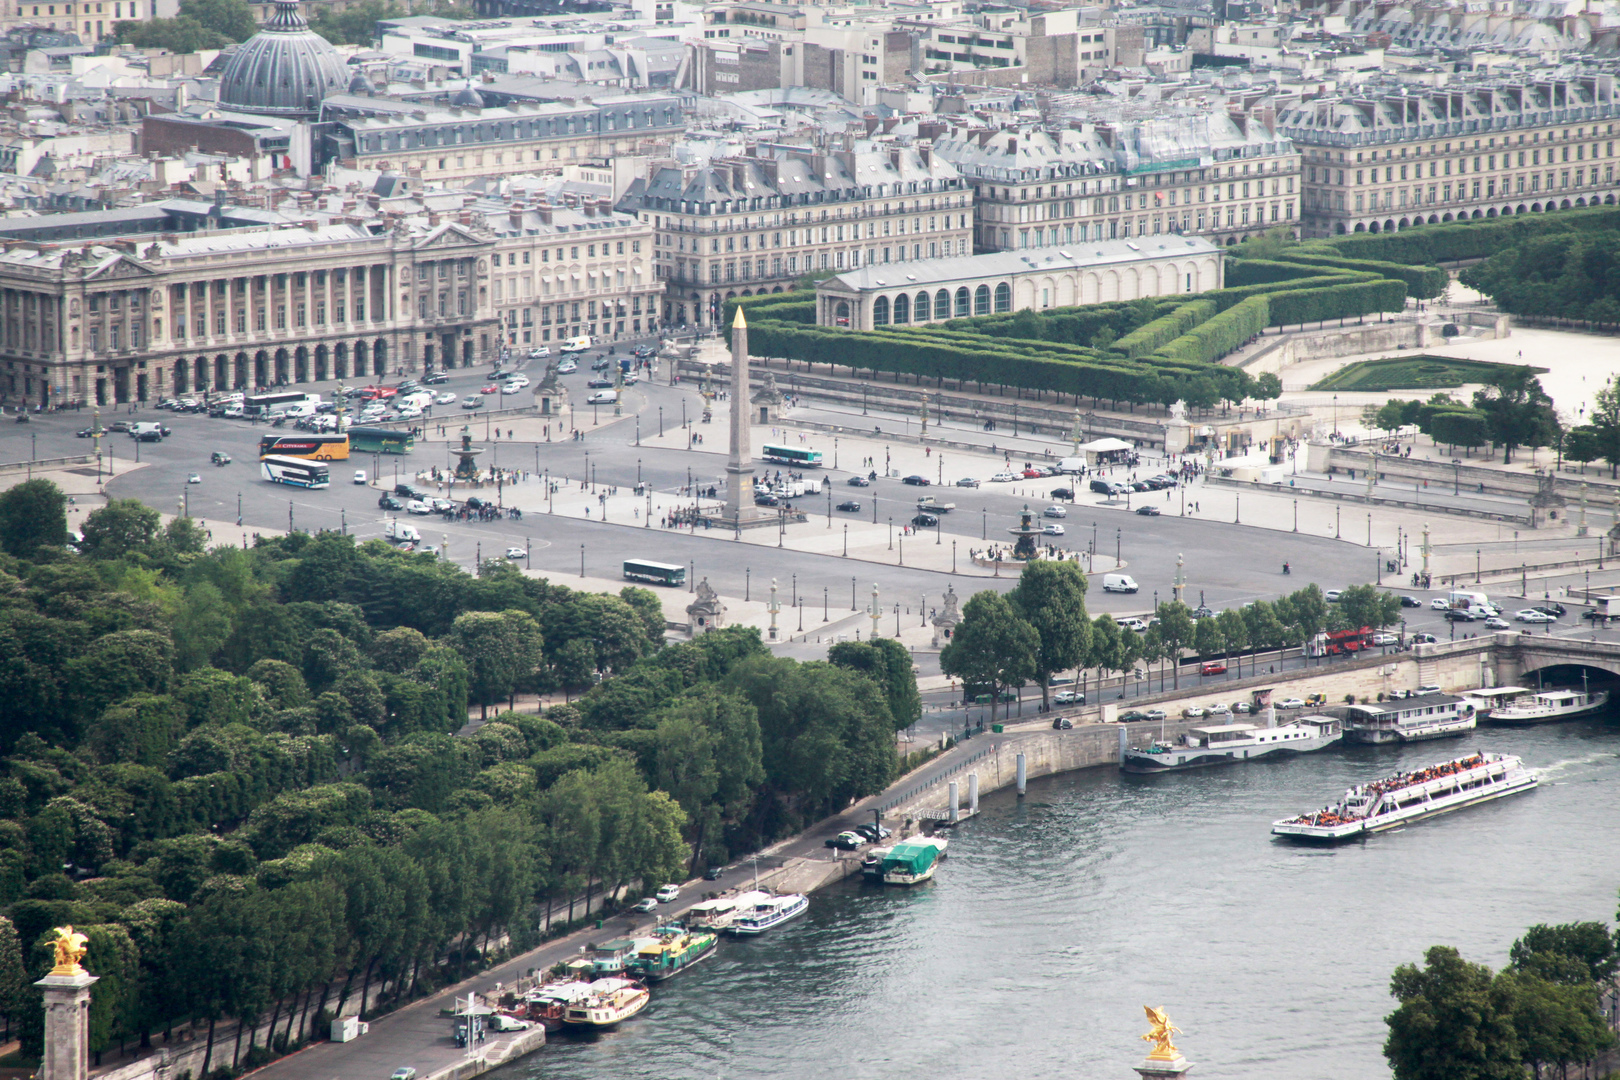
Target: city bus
column 304, row 445
column 789, row 455
column 270, row 404
column 378, row 440
column 655, row 573
column 299, row 472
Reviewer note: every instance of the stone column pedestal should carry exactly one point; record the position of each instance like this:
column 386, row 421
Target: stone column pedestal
column 67, row 1026
column 1163, row 1068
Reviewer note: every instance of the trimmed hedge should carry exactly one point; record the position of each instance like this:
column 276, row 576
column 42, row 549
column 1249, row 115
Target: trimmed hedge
column 1211, row 340
column 1349, row 300
column 1475, row 238
column 1422, row 282
column 1241, row 271
column 1166, row 328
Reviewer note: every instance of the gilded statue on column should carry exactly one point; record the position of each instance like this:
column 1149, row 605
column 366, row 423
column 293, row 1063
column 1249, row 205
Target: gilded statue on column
column 71, row 948
column 1163, row 1049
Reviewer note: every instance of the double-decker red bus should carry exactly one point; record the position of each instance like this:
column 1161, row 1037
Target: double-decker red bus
column 1341, row 642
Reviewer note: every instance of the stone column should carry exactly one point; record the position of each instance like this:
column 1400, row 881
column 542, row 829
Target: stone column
column 67, row 1026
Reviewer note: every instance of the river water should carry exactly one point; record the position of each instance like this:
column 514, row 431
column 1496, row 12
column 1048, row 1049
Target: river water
column 1058, row 916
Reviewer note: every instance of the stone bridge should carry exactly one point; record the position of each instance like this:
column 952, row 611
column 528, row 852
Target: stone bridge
column 1508, row 658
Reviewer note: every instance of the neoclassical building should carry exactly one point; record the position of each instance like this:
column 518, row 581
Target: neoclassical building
column 1003, row 281
column 107, row 322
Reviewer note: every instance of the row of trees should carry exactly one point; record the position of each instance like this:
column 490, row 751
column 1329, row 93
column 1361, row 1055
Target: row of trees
column 1041, row 628
column 1574, row 275
column 263, row 750
column 1461, row 1021
column 1510, row 411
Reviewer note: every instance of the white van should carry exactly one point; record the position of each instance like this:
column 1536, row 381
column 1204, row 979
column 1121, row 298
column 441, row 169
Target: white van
column 401, row 533
column 1119, row 583
column 576, row 344
column 296, row 411
column 1460, row 598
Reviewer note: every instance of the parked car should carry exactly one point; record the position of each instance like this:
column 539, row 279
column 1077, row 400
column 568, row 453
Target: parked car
column 1069, row 697
column 668, row 894
column 713, row 873
column 646, row 906
column 849, row 506
column 1193, row 712
column 1212, row 667
column 1423, row 639
column 845, row 841
column 871, row 831
column 1062, row 724
column 1332, row 595
column 1132, row 717
column 1219, row 710
column 1148, row 511
column 1157, row 714
column 1003, row 478
column 1291, row 703
column 1384, row 637
column 916, row 481
column 858, row 481
column 967, row 482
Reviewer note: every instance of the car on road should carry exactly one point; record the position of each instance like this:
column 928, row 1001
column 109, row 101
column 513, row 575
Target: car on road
column 1531, row 615
column 1069, row 697
column 598, row 383
column 1497, row 623
column 1062, row 724
column 1193, row 712
column 967, row 482
column 1384, row 637
column 713, row 873
column 765, row 498
column 1242, row 708
column 193, row 479
column 1423, row 639
column 602, row 397
column 417, row 506
column 1457, row 614
column 1148, row 511
column 1051, row 528
column 390, row 502
column 1157, row 714
column 490, row 389
column 219, row 457
column 405, row 1073
column 845, row 841
column 1131, row 622
column 1439, row 604
column 438, row 378
column 668, row 894
column 1218, row 709
column 360, row 476
column 516, row 553
column 472, row 403
column 1055, row 512
column 858, row 481
column 1212, row 667
column 1555, row 610
column 87, row 433
column 646, row 906
column 1003, row 478
column 1291, row 703
column 1332, row 595
column 916, row 481
column 513, row 387
column 849, row 506
column 1203, row 612
column 445, row 398
column 1132, row 717
column 925, row 521
column 1411, row 601
column 872, row 832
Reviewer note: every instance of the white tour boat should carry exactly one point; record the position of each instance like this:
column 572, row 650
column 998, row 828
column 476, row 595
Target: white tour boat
column 1407, row 797
column 769, row 913
column 1546, row 706
column 722, row 911
column 1408, row 719
column 1225, row 743
column 1487, row 699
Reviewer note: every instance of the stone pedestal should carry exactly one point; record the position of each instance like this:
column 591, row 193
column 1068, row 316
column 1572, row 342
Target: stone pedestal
column 67, row 1026
column 1163, row 1068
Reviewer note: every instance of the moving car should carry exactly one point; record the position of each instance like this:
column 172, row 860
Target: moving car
column 473, row 403
column 405, row 1073
column 916, row 481
column 668, row 894
column 598, row 383
column 389, row 502
column 646, row 906
column 1411, row 601
column 417, row 506
column 512, row 387
column 1066, row 494
column 438, row 378
column 1384, row 637
column 927, row 521
column 1496, row 623
column 849, row 506
column 1555, row 610
column 858, row 481
column 220, row 457
column 602, row 397
column 516, row 553
column 1148, row 511
column 1069, row 697
column 1051, row 528
column 359, row 476
column 490, row 389
column 566, row 367
column 1332, row 595
column 713, row 873
column 445, row 399
column 194, row 479
column 1438, row 604
column 1423, row 639
column 1055, row 512
column 1461, row 615
column 967, row 482
column 1531, row 615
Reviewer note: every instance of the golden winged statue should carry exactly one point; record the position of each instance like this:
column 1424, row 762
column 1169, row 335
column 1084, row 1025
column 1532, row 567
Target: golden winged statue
column 1163, row 1049
column 70, row 948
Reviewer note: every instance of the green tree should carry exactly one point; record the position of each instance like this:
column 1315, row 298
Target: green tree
column 1208, row 638
column 1454, row 1022
column 1235, row 633
column 1176, row 630
column 1517, row 411
column 1557, row 1022
column 1364, row 605
column 16, row 991
column 992, row 647
column 229, row 18
column 888, row 663
column 499, row 649
column 178, row 35
column 1458, row 427
column 1604, row 424
column 1051, row 598
column 646, row 604
column 33, row 515
column 122, row 527
column 1570, row 952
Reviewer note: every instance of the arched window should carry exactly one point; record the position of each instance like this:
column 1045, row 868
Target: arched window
column 1003, row 297
column 841, row 314
column 919, row 308
column 942, row 304
column 964, row 305
column 880, row 311
column 981, row 300
column 902, row 309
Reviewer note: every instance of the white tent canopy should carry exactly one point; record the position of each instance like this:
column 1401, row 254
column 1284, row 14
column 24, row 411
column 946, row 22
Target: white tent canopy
column 1104, row 446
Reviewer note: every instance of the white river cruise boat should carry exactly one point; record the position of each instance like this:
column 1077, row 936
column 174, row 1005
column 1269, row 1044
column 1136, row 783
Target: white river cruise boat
column 1224, row 744
column 1546, row 706
column 769, row 913
column 1407, row 797
column 606, row 1003
column 1409, row 719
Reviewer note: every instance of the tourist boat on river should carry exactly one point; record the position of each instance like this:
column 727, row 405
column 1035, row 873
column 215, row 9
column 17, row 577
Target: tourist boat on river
column 674, row 950
column 607, row 1003
column 717, row 914
column 768, row 913
column 1408, row 719
column 1547, row 706
column 1408, row 797
column 1487, row 699
column 912, row 861
column 547, row 1005
column 1223, row 744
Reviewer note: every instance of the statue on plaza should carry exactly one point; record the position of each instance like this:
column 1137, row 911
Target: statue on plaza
column 1163, row 1049
column 71, row 948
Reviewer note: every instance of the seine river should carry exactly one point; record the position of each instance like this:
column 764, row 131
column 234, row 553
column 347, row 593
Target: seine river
column 1057, row 917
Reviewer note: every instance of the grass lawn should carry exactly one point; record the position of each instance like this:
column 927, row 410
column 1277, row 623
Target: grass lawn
column 1420, row 372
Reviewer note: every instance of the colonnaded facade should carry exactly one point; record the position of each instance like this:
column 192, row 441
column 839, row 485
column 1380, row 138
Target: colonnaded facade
column 109, row 322
column 1090, row 273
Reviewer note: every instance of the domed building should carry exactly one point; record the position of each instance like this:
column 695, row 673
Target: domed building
column 283, row 70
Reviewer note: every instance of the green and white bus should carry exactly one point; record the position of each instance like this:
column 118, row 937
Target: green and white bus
column 789, row 455
column 378, row 440
column 655, row 573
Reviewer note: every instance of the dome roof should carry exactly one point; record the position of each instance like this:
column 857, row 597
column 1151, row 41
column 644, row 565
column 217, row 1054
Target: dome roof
column 467, row 97
column 283, row 70
column 359, row 84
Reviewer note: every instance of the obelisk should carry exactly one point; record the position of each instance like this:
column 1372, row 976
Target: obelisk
column 740, row 466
